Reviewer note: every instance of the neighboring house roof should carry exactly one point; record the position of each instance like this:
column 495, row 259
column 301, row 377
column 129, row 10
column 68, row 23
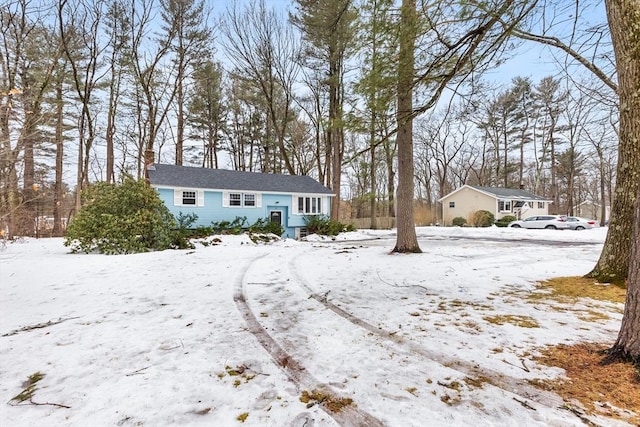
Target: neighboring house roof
column 501, row 193
column 224, row 179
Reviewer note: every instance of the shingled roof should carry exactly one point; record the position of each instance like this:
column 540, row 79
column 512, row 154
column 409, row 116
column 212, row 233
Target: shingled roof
column 509, row 193
column 224, row 179
column 501, row 193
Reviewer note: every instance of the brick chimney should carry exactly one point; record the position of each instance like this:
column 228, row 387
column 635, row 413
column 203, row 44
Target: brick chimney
column 149, row 160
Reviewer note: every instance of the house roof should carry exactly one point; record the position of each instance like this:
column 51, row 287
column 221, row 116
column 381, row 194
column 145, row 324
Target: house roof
column 223, row 179
column 502, row 193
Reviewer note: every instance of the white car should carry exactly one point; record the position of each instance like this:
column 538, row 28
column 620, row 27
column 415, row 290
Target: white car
column 577, row 223
column 550, row 222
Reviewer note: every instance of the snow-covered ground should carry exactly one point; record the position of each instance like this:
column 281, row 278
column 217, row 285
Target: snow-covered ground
column 234, row 333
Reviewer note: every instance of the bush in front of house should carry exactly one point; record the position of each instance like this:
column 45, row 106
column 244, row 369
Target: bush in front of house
column 264, row 226
column 458, row 221
column 324, row 226
column 185, row 232
column 235, row 227
column 239, row 225
column 505, row 221
column 482, row 218
column 122, row 218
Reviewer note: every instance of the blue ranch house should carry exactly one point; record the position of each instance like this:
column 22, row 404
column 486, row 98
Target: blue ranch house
column 223, row 195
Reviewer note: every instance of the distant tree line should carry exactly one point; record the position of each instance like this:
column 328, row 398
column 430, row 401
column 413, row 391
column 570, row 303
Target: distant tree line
column 91, row 89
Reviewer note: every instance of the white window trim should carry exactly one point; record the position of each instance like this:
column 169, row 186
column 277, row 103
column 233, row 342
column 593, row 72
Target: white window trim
column 321, row 205
column 257, row 197
column 178, row 195
column 505, row 202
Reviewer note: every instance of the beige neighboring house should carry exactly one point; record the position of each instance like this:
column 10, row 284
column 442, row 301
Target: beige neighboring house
column 468, row 199
column 590, row 209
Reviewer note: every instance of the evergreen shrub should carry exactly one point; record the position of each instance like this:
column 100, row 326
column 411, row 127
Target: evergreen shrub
column 324, row 226
column 483, row 218
column 458, row 221
column 240, row 225
column 122, row 218
column 505, row 221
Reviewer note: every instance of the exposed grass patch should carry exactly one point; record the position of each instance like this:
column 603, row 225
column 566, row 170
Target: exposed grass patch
column 611, row 390
column 521, row 321
column 456, row 304
column 333, row 403
column 412, row 390
column 571, row 288
column 451, row 397
column 478, row 382
column 453, row 385
column 239, row 371
column 592, row 316
column 450, row 400
column 468, row 326
column 242, row 417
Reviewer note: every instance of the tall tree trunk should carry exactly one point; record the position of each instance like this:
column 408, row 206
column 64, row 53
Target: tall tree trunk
column 406, row 234
column 554, row 184
column 180, row 115
column 58, row 193
column 622, row 246
column 613, row 265
column 628, row 343
column 334, row 132
column 28, row 217
column 114, row 95
column 372, row 172
column 391, row 180
column 603, row 194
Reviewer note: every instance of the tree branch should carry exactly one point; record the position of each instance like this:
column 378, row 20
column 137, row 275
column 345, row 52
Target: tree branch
column 557, row 43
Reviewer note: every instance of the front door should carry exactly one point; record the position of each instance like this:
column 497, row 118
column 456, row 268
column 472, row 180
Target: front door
column 275, row 216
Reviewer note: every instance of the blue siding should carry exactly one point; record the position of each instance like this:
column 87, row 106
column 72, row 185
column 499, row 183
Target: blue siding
column 212, row 211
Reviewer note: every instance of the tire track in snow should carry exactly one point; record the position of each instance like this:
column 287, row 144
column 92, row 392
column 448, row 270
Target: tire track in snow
column 509, row 384
column 349, row 416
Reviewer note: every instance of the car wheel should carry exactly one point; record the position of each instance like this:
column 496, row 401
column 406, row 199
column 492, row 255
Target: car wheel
column 550, row 227
column 515, row 226
column 579, row 227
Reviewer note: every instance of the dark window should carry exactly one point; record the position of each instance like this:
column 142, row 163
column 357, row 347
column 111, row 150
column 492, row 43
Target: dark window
column 504, row 205
column 310, row 205
column 235, row 199
column 452, row 204
column 188, row 197
column 540, row 205
column 249, row 199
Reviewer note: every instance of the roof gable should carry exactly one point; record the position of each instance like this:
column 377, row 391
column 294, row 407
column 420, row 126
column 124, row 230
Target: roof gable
column 223, row 179
column 501, row 193
column 509, row 193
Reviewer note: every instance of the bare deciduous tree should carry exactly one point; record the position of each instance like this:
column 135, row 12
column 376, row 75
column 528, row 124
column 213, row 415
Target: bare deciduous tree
column 265, row 51
column 79, row 26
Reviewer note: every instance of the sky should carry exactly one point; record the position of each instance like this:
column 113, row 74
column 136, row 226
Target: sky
column 235, row 331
